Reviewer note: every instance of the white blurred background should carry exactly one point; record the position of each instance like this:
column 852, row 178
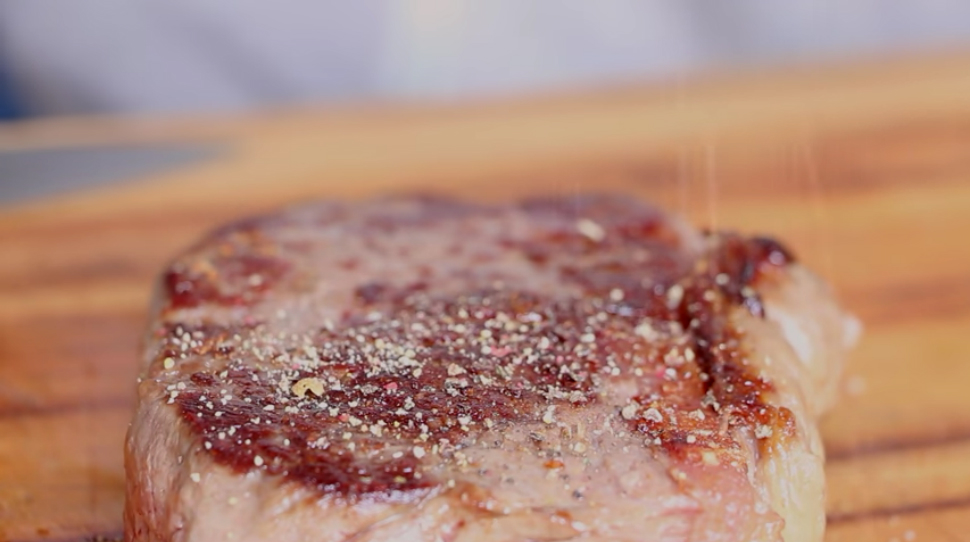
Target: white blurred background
column 169, row 56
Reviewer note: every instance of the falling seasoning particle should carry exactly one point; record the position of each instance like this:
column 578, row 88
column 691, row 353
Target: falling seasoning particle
column 195, row 477
column 653, row 415
column 616, row 294
column 646, row 331
column 258, row 461
column 590, row 229
column 710, row 458
column 762, row 431
column 674, row 296
column 418, row 452
column 304, row 385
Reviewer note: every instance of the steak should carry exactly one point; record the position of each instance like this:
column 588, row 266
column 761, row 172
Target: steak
column 426, row 369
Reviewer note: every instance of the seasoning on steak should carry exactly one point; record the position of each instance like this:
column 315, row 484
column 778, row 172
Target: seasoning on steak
column 421, row 369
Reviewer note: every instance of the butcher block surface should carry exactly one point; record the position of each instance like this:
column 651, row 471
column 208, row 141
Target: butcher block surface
column 864, row 170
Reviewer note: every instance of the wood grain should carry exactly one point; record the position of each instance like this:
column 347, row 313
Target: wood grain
column 865, row 170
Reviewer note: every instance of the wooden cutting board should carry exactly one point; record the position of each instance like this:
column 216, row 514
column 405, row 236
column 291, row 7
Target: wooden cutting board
column 864, row 170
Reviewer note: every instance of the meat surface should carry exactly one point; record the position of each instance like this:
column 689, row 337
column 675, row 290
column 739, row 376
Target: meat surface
column 422, row 369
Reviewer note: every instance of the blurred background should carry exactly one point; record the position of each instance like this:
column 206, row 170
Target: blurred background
column 177, row 56
column 181, row 57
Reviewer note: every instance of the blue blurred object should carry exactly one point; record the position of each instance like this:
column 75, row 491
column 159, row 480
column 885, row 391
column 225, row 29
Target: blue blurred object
column 9, row 108
column 34, row 173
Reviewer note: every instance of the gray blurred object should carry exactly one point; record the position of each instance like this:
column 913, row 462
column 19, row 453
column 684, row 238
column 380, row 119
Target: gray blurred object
column 165, row 56
column 26, row 174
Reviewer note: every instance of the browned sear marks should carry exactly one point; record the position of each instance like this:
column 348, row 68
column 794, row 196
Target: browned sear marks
column 411, row 375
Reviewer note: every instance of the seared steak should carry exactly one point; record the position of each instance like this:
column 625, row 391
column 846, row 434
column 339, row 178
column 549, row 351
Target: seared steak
column 420, row 369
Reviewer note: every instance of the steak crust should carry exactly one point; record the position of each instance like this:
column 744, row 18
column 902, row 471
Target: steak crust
column 425, row 369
